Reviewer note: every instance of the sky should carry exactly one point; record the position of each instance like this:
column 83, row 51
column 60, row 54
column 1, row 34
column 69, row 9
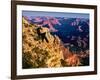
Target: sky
column 55, row 14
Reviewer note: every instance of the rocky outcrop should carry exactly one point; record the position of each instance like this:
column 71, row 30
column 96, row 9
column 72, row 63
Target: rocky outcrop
column 38, row 53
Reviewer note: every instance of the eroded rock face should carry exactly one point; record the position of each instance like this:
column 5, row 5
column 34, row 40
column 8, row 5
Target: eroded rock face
column 38, row 53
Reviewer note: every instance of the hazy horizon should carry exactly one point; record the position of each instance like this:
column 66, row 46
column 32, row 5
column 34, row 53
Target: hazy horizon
column 55, row 14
